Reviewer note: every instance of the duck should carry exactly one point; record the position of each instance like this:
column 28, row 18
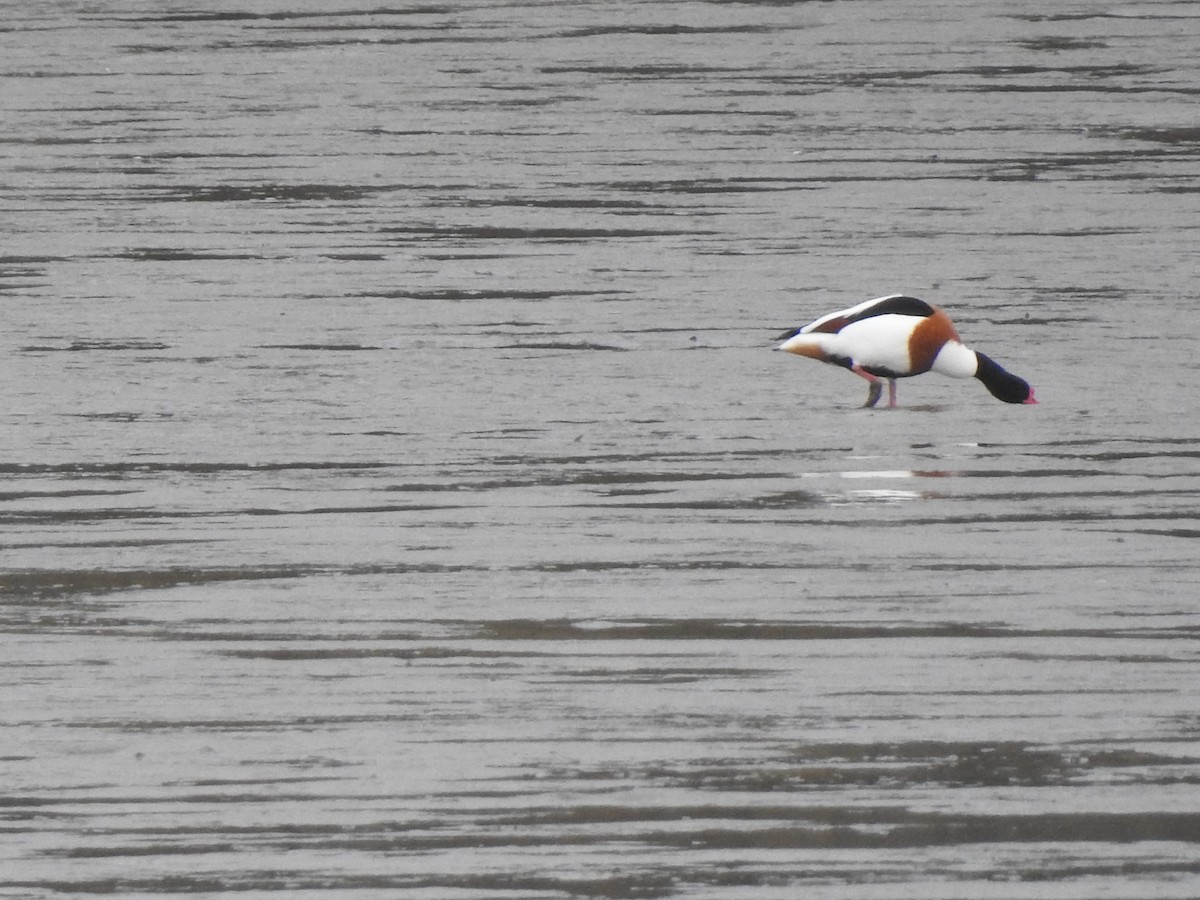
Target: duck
column 898, row 336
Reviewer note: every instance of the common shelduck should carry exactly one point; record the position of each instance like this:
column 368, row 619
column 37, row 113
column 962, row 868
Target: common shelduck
column 896, row 337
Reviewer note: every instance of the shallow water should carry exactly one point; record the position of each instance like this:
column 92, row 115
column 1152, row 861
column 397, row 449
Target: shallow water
column 398, row 492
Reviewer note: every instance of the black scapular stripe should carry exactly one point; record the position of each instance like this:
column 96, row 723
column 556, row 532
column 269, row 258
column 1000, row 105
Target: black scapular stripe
column 897, row 306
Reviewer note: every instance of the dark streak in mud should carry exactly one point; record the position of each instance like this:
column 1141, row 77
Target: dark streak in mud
column 509, row 233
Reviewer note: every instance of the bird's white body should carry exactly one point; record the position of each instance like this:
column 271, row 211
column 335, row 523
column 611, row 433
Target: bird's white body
column 878, row 342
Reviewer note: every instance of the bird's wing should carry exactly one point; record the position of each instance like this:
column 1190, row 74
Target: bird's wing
column 894, row 304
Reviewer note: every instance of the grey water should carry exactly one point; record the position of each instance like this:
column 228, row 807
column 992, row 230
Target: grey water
column 399, row 494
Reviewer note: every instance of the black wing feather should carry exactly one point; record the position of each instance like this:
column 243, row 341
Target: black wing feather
column 899, row 305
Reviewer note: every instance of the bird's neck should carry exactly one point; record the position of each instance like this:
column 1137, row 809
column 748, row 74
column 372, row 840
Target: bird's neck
column 957, row 361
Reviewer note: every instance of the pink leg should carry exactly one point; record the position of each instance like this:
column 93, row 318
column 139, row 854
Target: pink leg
column 876, row 386
column 891, row 393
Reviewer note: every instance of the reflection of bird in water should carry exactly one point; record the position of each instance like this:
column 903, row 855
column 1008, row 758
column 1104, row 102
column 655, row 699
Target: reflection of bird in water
column 895, row 337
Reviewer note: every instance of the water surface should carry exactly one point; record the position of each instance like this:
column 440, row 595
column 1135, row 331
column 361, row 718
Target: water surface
column 398, row 492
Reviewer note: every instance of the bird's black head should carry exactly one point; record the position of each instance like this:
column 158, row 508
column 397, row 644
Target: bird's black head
column 1001, row 383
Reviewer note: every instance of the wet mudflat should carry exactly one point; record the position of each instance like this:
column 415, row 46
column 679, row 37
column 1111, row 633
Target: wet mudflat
column 398, row 492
